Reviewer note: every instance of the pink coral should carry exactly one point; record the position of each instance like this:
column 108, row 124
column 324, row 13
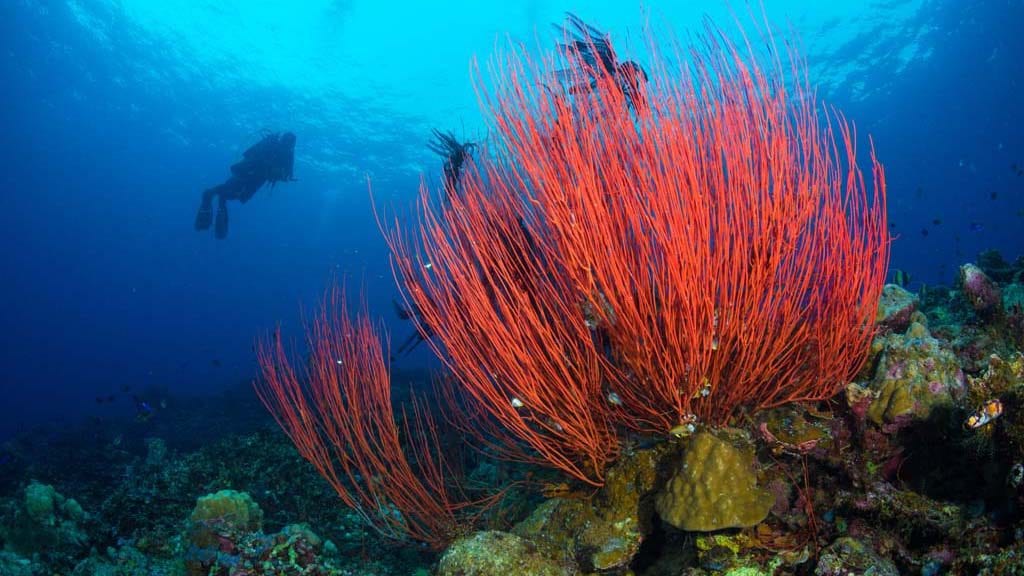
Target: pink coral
column 980, row 291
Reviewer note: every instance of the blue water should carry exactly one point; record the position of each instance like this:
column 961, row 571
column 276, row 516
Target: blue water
column 116, row 115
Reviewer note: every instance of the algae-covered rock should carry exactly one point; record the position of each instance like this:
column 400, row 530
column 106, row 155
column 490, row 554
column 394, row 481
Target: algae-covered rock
column 722, row 553
column 603, row 532
column 496, row 553
column 128, row 561
column 794, row 430
column 915, row 513
column 714, row 486
column 41, row 503
column 1007, row 561
column 1013, row 296
column 46, row 524
column 981, row 292
column 915, row 374
column 895, row 308
column 850, row 556
column 225, row 512
column 13, row 565
column 1001, row 377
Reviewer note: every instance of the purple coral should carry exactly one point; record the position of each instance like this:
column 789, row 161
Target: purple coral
column 895, row 308
column 895, row 370
column 982, row 293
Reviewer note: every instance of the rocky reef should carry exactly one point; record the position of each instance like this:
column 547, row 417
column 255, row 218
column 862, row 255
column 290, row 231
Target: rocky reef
column 917, row 468
column 242, row 504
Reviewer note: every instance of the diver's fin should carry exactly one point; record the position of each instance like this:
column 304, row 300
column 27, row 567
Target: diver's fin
column 220, row 230
column 204, row 217
column 410, row 344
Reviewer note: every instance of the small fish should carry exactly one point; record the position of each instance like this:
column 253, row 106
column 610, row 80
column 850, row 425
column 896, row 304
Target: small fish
column 988, row 412
column 215, row 363
column 686, row 426
column 977, row 226
column 924, row 232
column 704, row 391
column 143, row 410
column 455, row 153
column 919, row 192
column 105, row 399
column 614, row 399
column 1016, row 477
column 900, row 278
column 683, row 430
column 517, row 403
column 937, row 222
column 993, row 195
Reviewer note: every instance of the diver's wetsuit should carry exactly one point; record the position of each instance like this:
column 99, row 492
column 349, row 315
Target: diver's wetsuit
column 272, row 159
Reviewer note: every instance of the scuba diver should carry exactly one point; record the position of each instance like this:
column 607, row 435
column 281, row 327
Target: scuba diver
column 412, row 314
column 590, row 51
column 454, row 153
column 272, row 160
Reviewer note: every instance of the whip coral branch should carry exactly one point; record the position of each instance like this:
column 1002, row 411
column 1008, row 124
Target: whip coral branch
column 650, row 253
column 724, row 230
column 511, row 329
column 337, row 411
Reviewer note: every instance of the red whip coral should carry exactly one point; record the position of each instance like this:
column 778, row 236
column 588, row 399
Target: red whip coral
column 339, row 415
column 707, row 244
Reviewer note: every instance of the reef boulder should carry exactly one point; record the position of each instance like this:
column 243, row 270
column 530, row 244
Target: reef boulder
column 714, row 485
column 219, row 517
column 46, row 524
column 494, row 553
column 602, row 533
column 850, row 556
column 915, row 374
column 895, row 308
column 980, row 291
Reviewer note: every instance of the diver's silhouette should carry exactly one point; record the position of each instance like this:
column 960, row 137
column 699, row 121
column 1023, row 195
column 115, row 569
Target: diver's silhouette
column 591, row 56
column 455, row 153
column 412, row 314
column 272, row 160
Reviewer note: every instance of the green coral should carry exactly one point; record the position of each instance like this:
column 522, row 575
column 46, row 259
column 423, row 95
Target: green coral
column 41, row 503
column 225, row 511
column 46, row 522
column 714, row 486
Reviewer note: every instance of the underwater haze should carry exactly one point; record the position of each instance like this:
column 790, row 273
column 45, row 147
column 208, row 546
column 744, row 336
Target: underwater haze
column 117, row 115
